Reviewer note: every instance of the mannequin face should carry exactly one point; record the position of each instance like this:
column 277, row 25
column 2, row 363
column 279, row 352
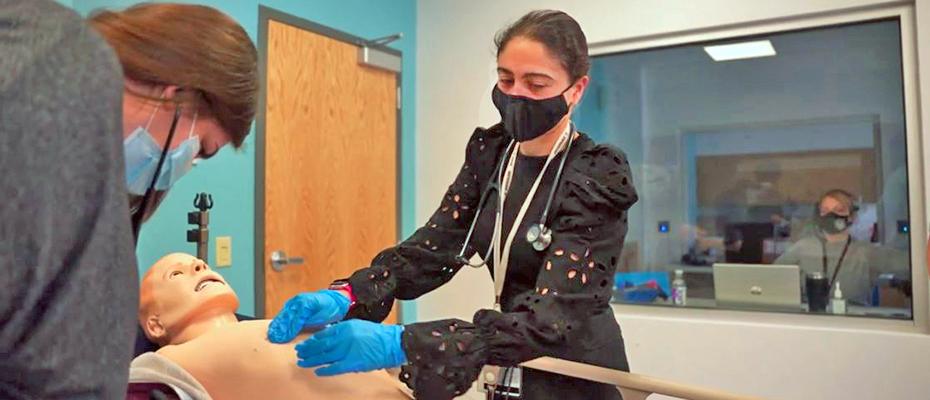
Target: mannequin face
column 178, row 290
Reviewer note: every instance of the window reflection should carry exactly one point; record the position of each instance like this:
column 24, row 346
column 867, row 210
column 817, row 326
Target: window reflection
column 763, row 162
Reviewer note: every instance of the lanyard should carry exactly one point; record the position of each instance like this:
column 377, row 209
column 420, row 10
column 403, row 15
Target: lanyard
column 839, row 262
column 137, row 216
column 502, row 256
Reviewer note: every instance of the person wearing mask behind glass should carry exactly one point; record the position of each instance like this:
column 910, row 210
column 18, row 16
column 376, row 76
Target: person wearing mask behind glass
column 831, row 250
column 553, row 271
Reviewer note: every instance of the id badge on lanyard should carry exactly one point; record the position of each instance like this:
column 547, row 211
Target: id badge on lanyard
column 504, row 383
column 500, row 383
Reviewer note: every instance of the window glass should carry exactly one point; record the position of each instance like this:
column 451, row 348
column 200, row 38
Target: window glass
column 772, row 171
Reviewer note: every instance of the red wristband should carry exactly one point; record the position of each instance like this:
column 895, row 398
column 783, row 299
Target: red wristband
column 344, row 286
column 352, row 298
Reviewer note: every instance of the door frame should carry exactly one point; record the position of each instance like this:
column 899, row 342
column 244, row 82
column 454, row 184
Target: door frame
column 266, row 15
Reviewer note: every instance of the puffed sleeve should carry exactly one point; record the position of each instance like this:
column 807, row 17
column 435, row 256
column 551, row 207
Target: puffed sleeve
column 426, row 260
column 574, row 284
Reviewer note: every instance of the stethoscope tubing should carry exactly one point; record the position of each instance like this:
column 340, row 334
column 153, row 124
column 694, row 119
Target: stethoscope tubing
column 496, row 186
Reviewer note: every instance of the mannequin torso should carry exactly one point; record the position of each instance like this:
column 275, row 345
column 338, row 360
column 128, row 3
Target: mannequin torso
column 236, row 361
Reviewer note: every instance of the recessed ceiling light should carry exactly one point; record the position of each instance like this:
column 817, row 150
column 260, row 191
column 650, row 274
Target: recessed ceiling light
column 740, row 51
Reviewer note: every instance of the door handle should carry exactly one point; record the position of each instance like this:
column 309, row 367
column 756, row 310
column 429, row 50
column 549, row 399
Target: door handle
column 280, row 260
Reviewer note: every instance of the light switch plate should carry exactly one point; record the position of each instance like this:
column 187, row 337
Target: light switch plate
column 223, row 251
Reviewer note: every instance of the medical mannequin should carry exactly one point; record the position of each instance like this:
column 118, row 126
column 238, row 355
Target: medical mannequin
column 189, row 309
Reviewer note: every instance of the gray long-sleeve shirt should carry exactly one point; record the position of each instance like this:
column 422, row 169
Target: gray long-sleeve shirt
column 854, row 274
column 68, row 278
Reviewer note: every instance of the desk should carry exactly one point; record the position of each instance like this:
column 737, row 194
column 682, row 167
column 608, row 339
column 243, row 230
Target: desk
column 700, row 282
column 851, row 310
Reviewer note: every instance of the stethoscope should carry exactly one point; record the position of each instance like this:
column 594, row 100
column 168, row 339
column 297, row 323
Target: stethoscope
column 538, row 234
column 137, row 215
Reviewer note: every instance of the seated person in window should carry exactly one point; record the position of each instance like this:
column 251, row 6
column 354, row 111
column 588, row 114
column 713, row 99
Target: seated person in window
column 188, row 309
column 831, row 250
column 706, row 250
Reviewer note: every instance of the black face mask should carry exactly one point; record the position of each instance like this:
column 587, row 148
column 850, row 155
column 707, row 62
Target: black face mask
column 833, row 223
column 527, row 119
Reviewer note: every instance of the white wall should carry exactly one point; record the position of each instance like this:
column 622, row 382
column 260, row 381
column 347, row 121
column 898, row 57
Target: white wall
column 455, row 63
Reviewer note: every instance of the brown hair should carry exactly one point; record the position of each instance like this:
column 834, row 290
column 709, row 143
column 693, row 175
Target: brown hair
column 197, row 48
column 556, row 30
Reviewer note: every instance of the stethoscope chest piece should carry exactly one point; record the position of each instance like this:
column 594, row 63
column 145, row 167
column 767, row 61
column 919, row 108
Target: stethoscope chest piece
column 539, row 236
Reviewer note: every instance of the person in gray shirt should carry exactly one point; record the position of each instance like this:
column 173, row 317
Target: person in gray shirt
column 831, row 250
column 76, row 138
column 68, row 280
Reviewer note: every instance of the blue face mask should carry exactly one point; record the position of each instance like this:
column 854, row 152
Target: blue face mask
column 142, row 153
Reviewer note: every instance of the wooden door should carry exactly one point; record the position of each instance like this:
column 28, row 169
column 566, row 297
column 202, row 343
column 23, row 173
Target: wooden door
column 330, row 159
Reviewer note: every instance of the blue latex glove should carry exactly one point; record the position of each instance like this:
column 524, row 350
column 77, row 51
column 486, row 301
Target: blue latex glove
column 353, row 346
column 307, row 310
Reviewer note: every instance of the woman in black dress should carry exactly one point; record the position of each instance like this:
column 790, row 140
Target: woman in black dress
column 568, row 198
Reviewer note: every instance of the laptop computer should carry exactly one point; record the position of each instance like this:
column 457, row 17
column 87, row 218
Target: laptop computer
column 758, row 286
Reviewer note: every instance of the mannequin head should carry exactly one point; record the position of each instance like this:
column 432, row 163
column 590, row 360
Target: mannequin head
column 180, row 292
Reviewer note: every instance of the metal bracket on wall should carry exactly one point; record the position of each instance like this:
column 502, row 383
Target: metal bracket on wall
column 372, row 53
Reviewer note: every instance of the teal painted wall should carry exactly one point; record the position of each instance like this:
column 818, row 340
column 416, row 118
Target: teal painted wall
column 230, row 176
